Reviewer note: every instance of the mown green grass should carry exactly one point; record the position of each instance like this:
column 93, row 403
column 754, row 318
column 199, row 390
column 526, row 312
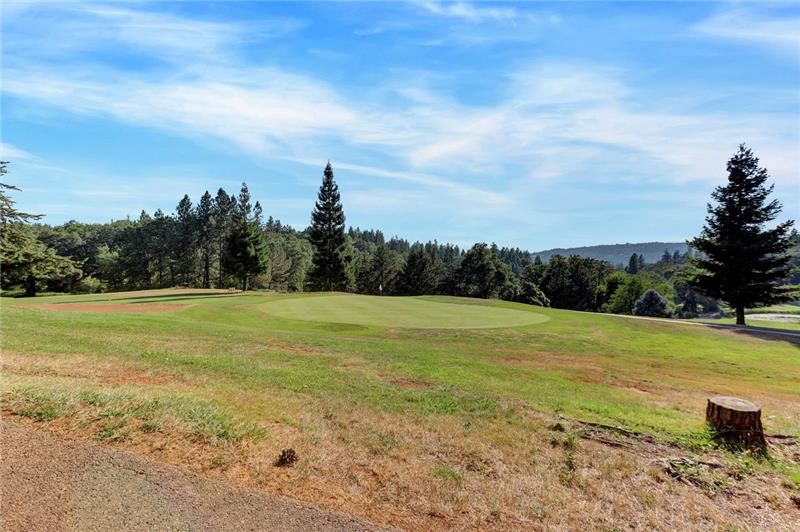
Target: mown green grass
column 249, row 355
column 784, row 308
column 753, row 323
column 407, row 312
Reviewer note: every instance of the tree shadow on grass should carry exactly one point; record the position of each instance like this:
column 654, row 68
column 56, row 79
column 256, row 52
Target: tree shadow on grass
column 161, row 298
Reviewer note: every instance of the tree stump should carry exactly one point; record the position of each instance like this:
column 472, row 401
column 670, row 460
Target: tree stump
column 737, row 422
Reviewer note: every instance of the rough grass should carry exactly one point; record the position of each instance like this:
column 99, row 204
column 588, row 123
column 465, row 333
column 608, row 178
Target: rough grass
column 417, row 427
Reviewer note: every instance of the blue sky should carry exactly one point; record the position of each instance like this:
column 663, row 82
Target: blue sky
column 535, row 124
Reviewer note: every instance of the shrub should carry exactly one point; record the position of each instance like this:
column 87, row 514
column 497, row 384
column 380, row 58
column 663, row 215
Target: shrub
column 531, row 294
column 651, row 304
column 89, row 285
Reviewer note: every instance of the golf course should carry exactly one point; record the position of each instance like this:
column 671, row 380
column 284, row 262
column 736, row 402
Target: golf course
column 432, row 411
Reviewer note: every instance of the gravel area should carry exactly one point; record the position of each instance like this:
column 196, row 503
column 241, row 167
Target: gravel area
column 51, row 483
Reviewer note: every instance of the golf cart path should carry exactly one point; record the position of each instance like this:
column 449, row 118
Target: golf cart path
column 52, row 483
column 747, row 329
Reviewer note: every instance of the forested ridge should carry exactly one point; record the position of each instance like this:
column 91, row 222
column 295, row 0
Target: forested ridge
column 226, row 240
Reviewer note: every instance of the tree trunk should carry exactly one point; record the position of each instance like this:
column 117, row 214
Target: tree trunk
column 207, row 270
column 30, row 286
column 737, row 422
column 740, row 315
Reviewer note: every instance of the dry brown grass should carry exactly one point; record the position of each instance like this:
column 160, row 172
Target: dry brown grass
column 435, row 472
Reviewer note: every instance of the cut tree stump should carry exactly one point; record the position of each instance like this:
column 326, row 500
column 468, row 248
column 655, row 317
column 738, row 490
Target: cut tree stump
column 737, row 422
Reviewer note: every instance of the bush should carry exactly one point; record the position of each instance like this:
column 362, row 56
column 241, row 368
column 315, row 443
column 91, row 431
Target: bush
column 89, row 285
column 533, row 295
column 651, row 304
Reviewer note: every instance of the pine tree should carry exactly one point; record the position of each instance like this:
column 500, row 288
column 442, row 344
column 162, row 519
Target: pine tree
column 328, row 237
column 205, row 224
column 651, row 304
column 246, row 251
column 633, row 264
column 641, row 262
column 185, row 249
column 380, row 270
column 742, row 260
column 417, row 276
column 161, row 235
column 224, row 205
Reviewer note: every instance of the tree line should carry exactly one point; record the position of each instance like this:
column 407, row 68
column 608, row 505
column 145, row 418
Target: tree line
column 224, row 241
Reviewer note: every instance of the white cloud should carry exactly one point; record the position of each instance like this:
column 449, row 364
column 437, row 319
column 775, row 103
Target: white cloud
column 9, row 152
column 554, row 121
column 780, row 31
column 470, row 12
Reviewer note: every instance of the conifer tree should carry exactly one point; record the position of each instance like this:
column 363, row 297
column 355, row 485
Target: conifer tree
column 246, row 251
column 328, row 237
column 417, row 276
column 633, row 264
column 224, row 206
column 742, row 260
column 205, row 223
column 185, row 248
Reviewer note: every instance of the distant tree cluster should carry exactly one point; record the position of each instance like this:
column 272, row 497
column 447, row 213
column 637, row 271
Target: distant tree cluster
column 223, row 241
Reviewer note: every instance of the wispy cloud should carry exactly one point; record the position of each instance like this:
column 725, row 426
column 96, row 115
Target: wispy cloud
column 781, row 31
column 470, row 12
column 7, row 151
column 552, row 121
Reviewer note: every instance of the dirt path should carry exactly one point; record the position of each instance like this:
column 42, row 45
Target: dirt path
column 51, row 483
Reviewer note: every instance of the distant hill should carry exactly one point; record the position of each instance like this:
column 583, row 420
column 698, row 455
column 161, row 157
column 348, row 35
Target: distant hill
column 617, row 253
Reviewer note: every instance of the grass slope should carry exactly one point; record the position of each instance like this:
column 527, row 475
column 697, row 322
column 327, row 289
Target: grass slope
column 350, row 380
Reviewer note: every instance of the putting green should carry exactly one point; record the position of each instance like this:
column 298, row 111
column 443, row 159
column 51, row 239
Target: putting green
column 410, row 312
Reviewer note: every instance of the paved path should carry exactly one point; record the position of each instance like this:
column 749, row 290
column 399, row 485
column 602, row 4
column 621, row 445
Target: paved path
column 764, row 331
column 51, row 483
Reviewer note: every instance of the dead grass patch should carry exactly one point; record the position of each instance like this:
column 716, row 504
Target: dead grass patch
column 411, row 383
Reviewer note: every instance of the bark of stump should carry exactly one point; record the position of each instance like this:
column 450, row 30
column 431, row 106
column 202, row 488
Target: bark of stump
column 736, row 421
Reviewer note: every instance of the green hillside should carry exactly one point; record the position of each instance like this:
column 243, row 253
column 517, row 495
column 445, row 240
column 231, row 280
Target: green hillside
column 617, row 253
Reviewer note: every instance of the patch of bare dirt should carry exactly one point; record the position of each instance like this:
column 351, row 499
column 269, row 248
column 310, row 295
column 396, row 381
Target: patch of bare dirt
column 52, row 483
column 137, row 308
column 411, row 383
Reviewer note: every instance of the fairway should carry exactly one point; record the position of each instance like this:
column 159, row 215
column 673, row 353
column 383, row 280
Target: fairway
column 405, row 312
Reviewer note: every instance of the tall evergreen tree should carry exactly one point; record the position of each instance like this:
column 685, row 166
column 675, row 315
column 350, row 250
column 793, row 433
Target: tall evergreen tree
column 328, row 237
column 246, row 251
column 742, row 260
column 205, row 234
column 633, row 265
column 224, row 206
column 417, row 276
column 162, row 235
column 185, row 248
